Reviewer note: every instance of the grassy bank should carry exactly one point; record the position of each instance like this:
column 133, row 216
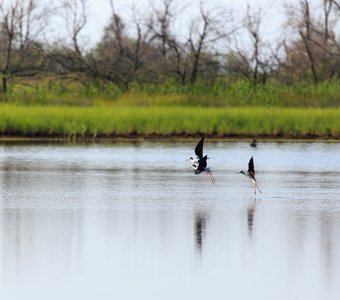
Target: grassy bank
column 108, row 121
column 221, row 93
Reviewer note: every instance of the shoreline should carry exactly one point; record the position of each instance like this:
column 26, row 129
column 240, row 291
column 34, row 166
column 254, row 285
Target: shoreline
column 169, row 137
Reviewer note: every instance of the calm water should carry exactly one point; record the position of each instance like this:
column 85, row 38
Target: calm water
column 130, row 221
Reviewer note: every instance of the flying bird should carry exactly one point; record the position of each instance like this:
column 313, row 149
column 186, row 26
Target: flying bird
column 202, row 168
column 251, row 174
column 198, row 152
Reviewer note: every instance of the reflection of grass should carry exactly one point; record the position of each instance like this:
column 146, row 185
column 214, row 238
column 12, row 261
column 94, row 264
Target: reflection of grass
column 105, row 121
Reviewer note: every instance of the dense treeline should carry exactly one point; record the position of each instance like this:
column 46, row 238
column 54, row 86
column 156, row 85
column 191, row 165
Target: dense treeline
column 148, row 49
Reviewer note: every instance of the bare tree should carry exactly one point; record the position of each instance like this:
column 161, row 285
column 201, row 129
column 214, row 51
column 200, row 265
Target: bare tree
column 156, row 52
column 336, row 4
column 252, row 24
column 301, row 20
column 237, row 64
column 180, row 59
column 329, row 46
column 21, row 25
column 160, row 24
column 197, row 44
column 327, row 9
column 117, row 28
column 145, row 34
column 72, row 57
column 315, row 48
column 158, row 49
column 205, row 33
column 251, row 57
column 75, row 16
column 115, row 52
column 139, row 44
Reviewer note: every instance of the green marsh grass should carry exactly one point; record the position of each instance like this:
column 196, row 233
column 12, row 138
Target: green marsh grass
column 224, row 108
column 222, row 93
column 124, row 120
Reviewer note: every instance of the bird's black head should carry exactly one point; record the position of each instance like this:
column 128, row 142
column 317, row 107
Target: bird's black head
column 241, row 172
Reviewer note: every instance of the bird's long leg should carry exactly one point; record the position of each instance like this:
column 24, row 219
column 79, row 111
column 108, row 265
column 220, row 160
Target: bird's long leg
column 256, row 186
column 212, row 178
column 206, row 174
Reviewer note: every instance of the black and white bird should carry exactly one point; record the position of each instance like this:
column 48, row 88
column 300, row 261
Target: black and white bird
column 251, row 174
column 202, row 168
column 198, row 152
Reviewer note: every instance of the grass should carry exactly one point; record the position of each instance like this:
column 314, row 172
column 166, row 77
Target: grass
column 18, row 120
column 49, row 107
column 221, row 93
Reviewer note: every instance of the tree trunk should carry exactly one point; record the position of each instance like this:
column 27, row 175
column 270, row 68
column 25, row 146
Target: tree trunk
column 311, row 63
column 195, row 68
column 4, row 85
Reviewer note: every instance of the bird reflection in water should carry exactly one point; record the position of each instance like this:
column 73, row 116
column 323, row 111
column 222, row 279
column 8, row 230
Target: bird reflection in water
column 199, row 228
column 250, row 217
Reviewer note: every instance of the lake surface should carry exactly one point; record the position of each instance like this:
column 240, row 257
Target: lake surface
column 131, row 221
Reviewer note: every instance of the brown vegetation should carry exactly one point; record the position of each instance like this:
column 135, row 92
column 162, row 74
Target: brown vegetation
column 148, row 49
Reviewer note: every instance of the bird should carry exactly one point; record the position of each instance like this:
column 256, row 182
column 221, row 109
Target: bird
column 251, row 174
column 198, row 152
column 202, row 167
column 253, row 143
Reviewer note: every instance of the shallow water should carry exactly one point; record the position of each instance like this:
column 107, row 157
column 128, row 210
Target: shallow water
column 130, row 221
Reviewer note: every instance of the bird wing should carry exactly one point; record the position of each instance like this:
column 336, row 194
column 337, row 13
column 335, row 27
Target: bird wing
column 199, row 148
column 251, row 168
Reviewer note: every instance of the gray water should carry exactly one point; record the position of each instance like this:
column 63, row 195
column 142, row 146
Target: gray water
column 131, row 221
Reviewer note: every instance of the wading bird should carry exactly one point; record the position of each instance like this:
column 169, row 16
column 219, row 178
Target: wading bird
column 198, row 152
column 251, row 174
column 253, row 143
column 202, row 167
